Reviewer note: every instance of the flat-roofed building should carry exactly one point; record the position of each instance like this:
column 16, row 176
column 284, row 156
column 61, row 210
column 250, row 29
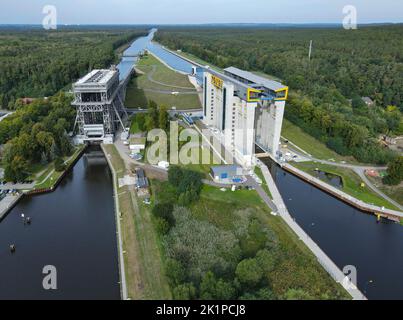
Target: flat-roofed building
column 246, row 109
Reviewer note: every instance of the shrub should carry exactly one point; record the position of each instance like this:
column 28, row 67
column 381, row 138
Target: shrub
column 59, row 165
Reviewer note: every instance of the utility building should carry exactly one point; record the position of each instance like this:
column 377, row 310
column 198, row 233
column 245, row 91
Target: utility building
column 100, row 109
column 246, row 109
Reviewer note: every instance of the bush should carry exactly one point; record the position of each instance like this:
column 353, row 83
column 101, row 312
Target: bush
column 201, row 247
column 249, row 273
column 164, row 211
column 59, row 165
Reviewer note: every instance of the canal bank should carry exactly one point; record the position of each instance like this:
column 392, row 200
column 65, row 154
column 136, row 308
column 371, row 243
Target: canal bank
column 122, row 269
column 10, row 201
column 73, row 229
column 379, row 212
column 347, row 235
column 324, row 260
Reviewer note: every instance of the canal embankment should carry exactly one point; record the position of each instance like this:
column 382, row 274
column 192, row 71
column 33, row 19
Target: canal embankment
column 52, row 181
column 122, row 272
column 141, row 258
column 383, row 212
column 332, row 269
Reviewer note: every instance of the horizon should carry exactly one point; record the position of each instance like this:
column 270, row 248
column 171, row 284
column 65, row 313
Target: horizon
column 185, row 12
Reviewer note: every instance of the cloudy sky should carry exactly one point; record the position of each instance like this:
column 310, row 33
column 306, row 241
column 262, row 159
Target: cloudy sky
column 198, row 11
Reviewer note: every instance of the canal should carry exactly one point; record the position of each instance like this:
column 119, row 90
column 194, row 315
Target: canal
column 72, row 229
column 347, row 235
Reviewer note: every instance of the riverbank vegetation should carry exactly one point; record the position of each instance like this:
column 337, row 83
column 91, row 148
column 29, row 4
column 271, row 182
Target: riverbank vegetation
column 36, row 134
column 37, row 63
column 157, row 82
column 351, row 182
column 226, row 245
column 325, row 98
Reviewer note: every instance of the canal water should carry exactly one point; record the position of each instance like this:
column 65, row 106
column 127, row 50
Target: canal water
column 72, row 229
column 146, row 43
column 347, row 235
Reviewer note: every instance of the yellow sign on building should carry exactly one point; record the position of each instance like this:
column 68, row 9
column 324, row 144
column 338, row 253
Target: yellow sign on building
column 217, row 82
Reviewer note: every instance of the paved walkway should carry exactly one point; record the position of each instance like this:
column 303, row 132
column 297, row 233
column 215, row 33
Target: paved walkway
column 358, row 169
column 342, row 195
column 122, row 272
column 362, row 175
column 323, row 259
column 7, row 202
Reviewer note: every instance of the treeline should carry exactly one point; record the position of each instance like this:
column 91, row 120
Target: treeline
column 38, row 63
column 37, row 133
column 345, row 66
column 220, row 251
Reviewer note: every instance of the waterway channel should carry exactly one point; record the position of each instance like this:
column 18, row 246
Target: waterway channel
column 74, row 229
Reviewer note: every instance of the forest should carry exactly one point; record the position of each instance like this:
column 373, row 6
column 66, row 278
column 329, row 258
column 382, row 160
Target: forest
column 37, row 63
column 326, row 90
column 41, row 64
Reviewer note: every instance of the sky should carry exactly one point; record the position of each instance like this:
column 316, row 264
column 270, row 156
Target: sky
column 198, row 11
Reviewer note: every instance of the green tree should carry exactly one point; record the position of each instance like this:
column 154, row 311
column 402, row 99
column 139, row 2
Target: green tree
column 249, row 273
column 394, row 172
column 163, row 118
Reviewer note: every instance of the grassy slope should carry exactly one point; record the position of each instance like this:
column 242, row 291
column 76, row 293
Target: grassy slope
column 395, row 192
column 137, row 94
column 308, row 143
column 351, row 183
column 143, row 260
column 52, row 178
column 297, row 267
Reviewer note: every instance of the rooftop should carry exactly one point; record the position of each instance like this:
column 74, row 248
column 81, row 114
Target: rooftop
column 249, row 76
column 97, row 76
column 233, row 169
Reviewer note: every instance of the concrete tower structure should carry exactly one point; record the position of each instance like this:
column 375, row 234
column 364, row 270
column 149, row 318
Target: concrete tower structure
column 246, row 109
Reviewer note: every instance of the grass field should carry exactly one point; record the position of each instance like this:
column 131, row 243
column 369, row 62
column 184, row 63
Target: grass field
column 265, row 187
column 309, row 144
column 145, row 274
column 157, row 83
column 351, row 183
column 395, row 192
column 297, row 266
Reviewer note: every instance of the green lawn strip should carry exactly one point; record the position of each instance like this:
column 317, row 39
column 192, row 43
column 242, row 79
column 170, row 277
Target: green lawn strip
column 351, row 183
column 197, row 161
column 138, row 94
column 53, row 178
column 164, row 74
column 265, row 187
column 143, row 261
column 297, row 268
column 394, row 192
column 308, row 143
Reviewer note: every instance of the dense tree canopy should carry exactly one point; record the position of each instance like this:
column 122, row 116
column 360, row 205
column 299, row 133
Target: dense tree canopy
column 38, row 63
column 36, row 134
column 326, row 91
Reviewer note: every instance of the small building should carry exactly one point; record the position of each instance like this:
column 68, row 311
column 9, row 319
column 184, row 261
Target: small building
column 227, row 174
column 368, row 101
column 136, row 145
column 141, row 179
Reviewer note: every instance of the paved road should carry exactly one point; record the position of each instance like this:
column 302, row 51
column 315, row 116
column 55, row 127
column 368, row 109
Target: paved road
column 358, row 169
column 322, row 258
column 362, row 175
